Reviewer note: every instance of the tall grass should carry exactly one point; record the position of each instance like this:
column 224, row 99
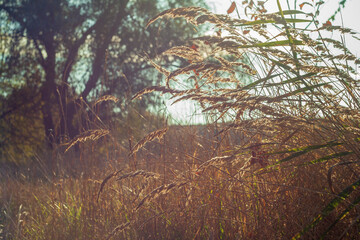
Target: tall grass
column 300, row 112
column 279, row 161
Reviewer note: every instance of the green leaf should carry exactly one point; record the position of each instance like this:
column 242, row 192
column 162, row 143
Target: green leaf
column 273, row 44
column 341, row 216
column 329, row 208
column 289, row 12
column 301, row 90
column 335, row 155
column 259, row 81
column 301, row 151
column 291, row 80
column 264, row 21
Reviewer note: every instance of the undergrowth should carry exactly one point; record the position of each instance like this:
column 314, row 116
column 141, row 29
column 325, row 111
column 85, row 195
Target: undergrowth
column 279, row 161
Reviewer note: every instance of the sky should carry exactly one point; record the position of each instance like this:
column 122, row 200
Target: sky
column 187, row 113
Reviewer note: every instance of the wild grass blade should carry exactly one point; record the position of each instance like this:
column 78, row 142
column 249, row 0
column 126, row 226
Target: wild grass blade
column 329, row 208
column 341, row 216
column 273, row 44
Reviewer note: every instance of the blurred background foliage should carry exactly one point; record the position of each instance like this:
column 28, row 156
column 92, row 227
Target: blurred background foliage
column 58, row 57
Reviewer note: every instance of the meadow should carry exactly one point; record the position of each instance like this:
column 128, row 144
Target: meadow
column 277, row 159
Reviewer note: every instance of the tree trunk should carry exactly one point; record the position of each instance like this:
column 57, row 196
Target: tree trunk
column 97, row 66
column 69, row 109
column 47, row 91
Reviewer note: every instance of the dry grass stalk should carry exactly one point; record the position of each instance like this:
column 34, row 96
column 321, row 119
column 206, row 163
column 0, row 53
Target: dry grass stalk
column 188, row 13
column 152, row 89
column 106, row 179
column 158, row 134
column 163, row 189
column 92, row 135
column 118, row 229
column 216, row 161
column 139, row 173
column 106, row 98
column 187, row 53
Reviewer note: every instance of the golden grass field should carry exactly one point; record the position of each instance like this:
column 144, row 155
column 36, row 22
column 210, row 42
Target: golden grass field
column 174, row 192
column 278, row 158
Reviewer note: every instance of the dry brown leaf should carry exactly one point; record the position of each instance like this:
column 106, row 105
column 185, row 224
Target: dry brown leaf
column 231, row 8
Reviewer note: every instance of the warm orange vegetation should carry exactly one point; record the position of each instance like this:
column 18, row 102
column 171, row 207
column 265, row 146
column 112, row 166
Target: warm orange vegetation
column 224, row 198
column 280, row 160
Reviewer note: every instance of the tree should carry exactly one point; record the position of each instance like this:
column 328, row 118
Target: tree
column 64, row 48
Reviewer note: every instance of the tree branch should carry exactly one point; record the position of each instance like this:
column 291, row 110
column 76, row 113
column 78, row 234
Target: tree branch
column 97, row 69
